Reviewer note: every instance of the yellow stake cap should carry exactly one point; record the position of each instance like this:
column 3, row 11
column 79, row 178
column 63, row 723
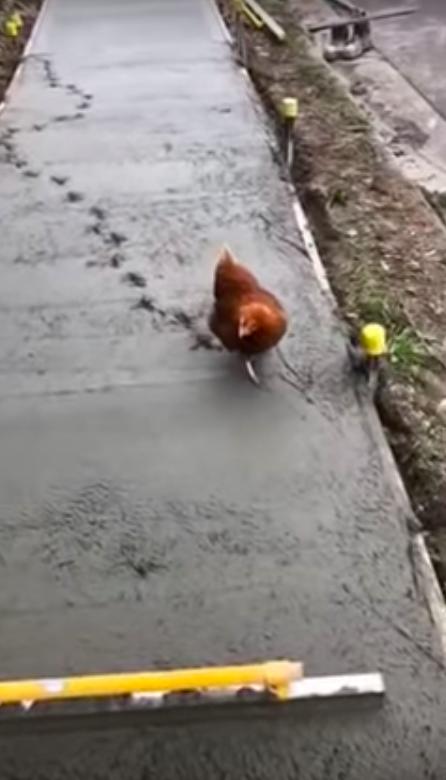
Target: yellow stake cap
column 11, row 28
column 373, row 339
column 289, row 108
column 17, row 19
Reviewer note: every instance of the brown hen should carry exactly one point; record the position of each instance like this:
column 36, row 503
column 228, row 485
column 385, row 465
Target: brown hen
column 245, row 317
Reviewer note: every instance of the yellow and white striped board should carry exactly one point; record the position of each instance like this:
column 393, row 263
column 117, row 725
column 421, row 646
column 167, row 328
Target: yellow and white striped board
column 280, row 681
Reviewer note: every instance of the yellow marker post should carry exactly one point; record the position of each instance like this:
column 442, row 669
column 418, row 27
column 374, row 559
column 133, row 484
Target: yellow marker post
column 11, row 28
column 373, row 339
column 289, row 109
column 18, row 21
column 272, row 676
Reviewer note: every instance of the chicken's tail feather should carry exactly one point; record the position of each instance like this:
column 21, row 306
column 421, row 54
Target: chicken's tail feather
column 225, row 255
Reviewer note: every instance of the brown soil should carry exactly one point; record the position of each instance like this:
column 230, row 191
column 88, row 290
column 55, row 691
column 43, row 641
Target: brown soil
column 11, row 48
column 383, row 246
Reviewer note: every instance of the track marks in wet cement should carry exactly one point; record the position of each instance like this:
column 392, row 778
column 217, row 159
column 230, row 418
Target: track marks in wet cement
column 9, row 152
column 99, row 223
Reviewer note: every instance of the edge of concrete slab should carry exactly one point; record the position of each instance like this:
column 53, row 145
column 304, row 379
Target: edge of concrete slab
column 424, row 572
column 226, row 33
column 28, row 46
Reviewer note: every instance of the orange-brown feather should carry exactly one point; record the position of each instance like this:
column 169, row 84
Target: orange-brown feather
column 237, row 290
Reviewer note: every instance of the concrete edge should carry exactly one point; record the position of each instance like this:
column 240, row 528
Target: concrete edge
column 28, row 46
column 432, row 591
column 425, row 578
column 424, row 571
column 310, row 247
column 220, row 21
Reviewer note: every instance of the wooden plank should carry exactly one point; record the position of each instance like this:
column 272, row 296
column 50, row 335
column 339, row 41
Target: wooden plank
column 252, row 17
column 274, row 28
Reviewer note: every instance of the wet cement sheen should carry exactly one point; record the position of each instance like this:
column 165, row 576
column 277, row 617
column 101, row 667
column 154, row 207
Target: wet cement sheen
column 155, row 509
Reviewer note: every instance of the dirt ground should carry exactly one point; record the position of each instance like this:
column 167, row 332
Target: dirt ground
column 11, row 47
column 383, row 246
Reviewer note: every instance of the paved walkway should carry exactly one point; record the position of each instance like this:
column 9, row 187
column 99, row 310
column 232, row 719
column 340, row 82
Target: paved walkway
column 415, row 45
column 155, row 508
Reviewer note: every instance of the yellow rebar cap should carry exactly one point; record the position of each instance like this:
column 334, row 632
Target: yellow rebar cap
column 373, row 339
column 17, row 19
column 289, row 108
column 11, row 28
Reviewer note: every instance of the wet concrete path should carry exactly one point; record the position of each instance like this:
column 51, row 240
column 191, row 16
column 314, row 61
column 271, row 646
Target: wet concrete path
column 156, row 509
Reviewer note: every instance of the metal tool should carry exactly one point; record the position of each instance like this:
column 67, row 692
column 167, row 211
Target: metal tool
column 352, row 36
column 273, row 682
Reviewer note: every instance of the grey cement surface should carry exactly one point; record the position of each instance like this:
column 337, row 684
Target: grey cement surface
column 155, row 508
column 416, row 45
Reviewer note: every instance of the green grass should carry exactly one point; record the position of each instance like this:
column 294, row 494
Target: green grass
column 408, row 352
column 376, row 308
